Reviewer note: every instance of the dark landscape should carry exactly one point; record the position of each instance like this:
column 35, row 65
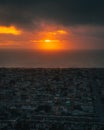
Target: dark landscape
column 52, row 99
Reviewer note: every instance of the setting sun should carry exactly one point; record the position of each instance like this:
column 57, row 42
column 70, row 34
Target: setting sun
column 51, row 38
column 49, row 45
column 47, row 40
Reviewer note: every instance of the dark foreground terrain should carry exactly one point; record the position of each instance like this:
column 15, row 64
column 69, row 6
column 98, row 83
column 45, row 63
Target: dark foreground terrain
column 51, row 99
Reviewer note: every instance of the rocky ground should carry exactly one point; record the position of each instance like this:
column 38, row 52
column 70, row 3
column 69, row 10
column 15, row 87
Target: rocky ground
column 51, row 99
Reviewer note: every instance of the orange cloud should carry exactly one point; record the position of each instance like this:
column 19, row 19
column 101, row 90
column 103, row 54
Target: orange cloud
column 9, row 30
column 62, row 32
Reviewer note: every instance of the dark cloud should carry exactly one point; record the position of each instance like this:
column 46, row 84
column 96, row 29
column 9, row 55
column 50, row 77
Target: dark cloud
column 23, row 13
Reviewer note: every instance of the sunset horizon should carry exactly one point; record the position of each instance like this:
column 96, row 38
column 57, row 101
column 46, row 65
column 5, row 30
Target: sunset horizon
column 51, row 64
column 69, row 39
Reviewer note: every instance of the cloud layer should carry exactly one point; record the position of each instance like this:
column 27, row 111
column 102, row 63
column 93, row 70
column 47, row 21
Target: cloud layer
column 26, row 13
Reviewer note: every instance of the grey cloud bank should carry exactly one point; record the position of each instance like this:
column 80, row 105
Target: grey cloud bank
column 67, row 12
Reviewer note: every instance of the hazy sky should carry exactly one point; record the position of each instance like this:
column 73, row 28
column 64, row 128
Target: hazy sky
column 75, row 24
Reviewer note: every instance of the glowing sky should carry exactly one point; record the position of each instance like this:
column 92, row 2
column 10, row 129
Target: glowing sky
column 52, row 37
column 51, row 25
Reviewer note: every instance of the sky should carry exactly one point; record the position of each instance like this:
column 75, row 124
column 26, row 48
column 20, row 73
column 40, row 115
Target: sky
column 52, row 24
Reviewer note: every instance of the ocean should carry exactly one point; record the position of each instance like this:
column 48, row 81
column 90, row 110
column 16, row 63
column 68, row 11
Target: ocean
column 62, row 59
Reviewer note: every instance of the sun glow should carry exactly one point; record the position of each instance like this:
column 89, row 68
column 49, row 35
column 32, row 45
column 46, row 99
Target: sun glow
column 49, row 45
column 47, row 41
column 51, row 38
